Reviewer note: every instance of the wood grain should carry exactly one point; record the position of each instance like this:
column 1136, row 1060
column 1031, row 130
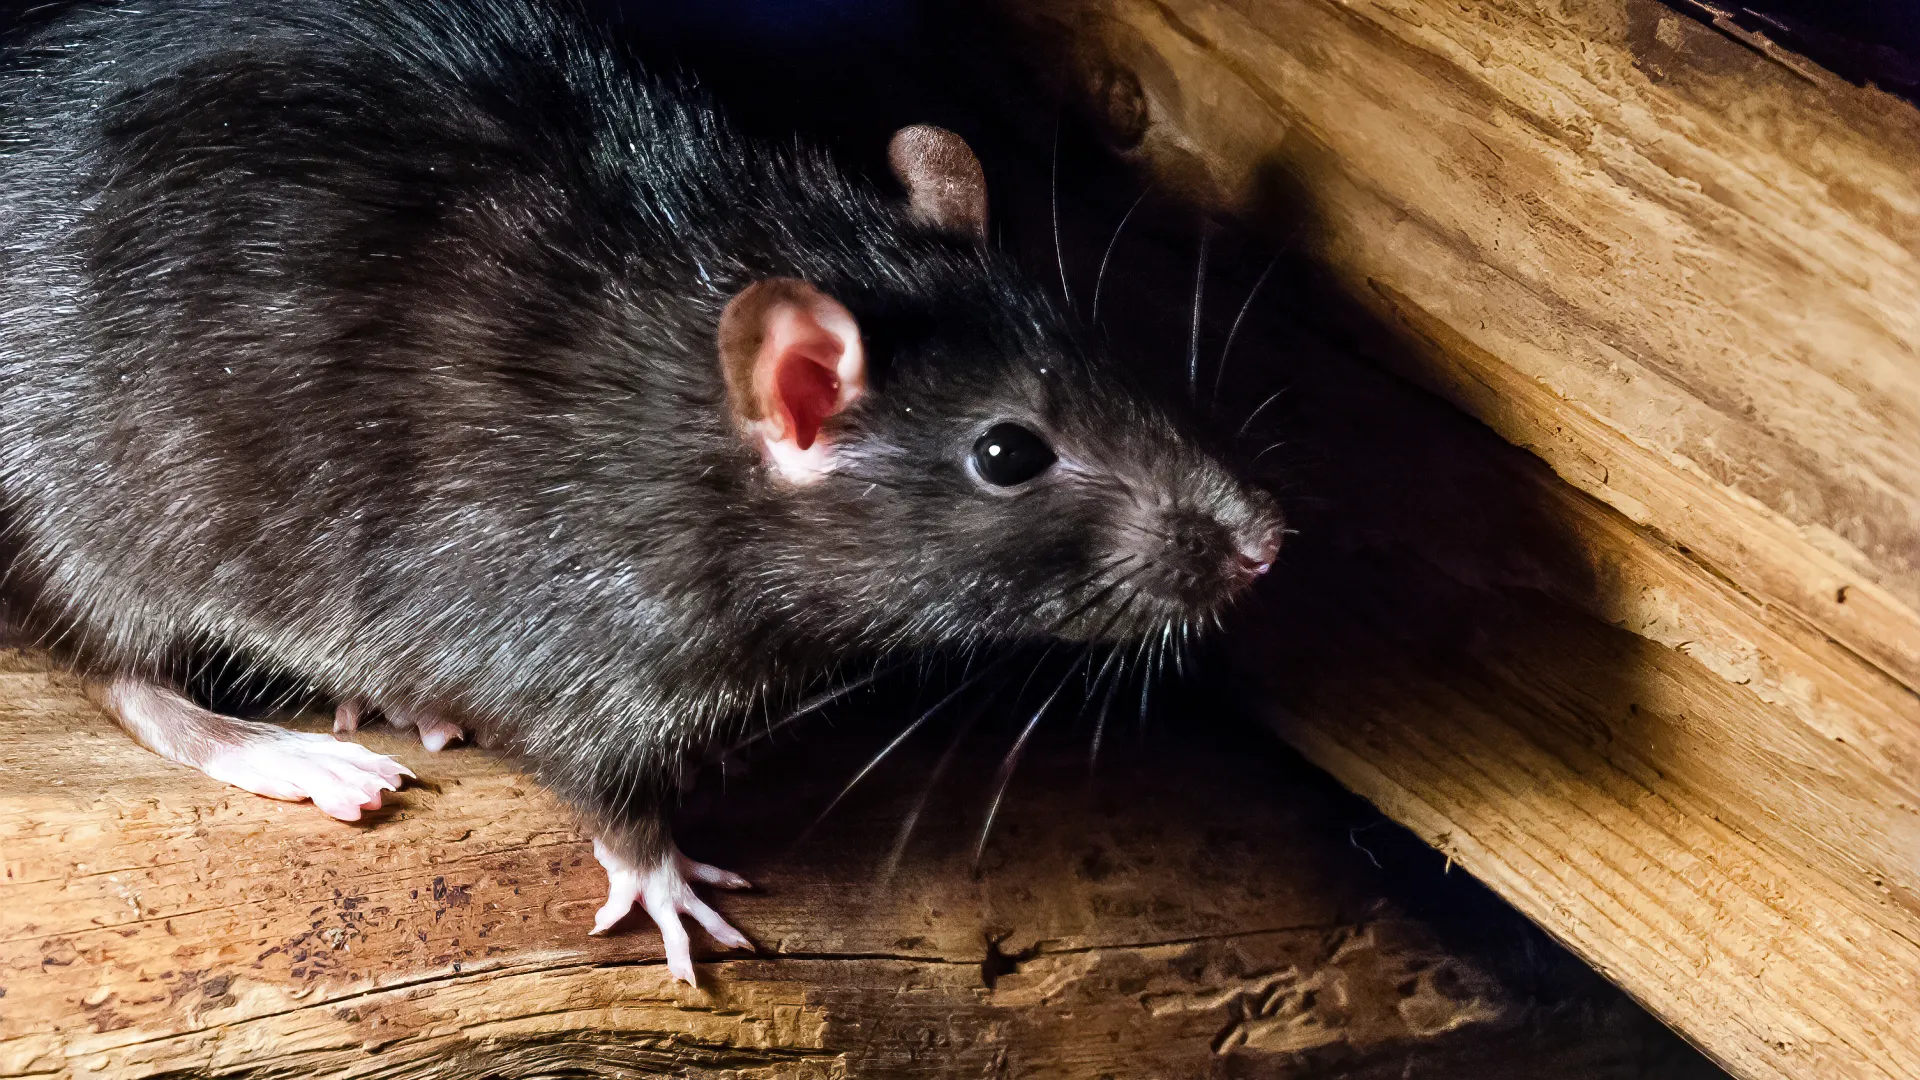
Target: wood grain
column 1680, row 270
column 1190, row 919
column 1593, row 778
column 1660, row 693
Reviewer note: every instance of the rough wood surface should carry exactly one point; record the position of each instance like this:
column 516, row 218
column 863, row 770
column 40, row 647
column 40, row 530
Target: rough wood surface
column 1663, row 696
column 1711, row 802
column 1679, row 267
column 1184, row 917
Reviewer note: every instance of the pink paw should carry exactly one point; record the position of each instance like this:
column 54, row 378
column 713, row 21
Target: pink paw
column 341, row 778
column 665, row 891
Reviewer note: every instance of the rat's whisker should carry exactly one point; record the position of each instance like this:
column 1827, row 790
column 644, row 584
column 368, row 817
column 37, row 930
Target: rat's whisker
column 1220, row 372
column 1059, row 253
column 1114, row 655
column 905, row 734
column 1100, row 276
column 1199, row 303
column 1146, row 671
column 1012, row 760
column 1262, row 407
column 821, row 700
column 905, row 832
column 1097, row 597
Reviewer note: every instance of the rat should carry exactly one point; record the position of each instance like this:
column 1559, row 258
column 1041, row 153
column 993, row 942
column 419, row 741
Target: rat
column 440, row 354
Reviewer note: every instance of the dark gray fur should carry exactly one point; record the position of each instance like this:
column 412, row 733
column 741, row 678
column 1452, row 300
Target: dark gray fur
column 374, row 340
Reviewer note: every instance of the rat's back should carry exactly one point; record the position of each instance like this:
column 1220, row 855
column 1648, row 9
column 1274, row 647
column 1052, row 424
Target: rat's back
column 300, row 306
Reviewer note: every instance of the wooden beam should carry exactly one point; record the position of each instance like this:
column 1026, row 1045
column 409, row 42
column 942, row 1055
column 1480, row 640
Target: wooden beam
column 1181, row 917
column 1681, row 270
column 1662, row 697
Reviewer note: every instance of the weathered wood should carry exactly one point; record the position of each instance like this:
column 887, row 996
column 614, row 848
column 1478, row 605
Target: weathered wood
column 1670, row 714
column 1682, row 271
column 1676, row 837
column 1189, row 921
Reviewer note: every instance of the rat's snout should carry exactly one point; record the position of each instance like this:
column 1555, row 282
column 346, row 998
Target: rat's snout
column 1256, row 546
column 1213, row 552
column 1256, row 538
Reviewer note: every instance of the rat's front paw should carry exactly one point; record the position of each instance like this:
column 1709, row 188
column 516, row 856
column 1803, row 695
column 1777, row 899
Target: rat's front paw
column 436, row 731
column 341, row 778
column 665, row 890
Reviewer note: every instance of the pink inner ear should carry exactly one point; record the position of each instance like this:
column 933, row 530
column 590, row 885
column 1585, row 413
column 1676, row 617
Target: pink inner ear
column 809, row 392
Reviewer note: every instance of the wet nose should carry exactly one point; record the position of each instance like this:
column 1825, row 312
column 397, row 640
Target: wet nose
column 1256, row 548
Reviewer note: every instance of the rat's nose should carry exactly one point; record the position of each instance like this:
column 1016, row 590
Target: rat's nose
column 1256, row 547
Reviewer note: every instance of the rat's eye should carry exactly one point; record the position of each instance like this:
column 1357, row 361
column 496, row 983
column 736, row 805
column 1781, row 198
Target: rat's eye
column 1009, row 454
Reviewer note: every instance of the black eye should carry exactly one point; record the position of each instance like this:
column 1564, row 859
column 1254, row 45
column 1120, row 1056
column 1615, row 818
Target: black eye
column 1009, row 454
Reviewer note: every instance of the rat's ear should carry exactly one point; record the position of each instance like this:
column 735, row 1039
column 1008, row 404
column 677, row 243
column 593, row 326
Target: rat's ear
column 791, row 356
column 945, row 184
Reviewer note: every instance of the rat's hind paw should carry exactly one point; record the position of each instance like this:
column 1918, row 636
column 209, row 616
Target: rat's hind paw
column 341, row 778
column 665, row 891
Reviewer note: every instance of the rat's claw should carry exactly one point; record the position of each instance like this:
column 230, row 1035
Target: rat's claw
column 665, row 892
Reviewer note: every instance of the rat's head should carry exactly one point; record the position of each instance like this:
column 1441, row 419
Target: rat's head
column 948, row 463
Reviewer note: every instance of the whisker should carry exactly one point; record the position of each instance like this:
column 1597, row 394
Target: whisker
column 1106, row 705
column 1059, row 254
column 1199, row 296
column 821, row 700
column 1093, row 600
column 1248, row 422
column 1101, row 276
column 1146, row 686
column 1012, row 760
column 905, row 833
column 1234, row 331
column 905, row 734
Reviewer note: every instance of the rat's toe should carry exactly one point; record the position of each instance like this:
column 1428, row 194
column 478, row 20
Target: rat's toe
column 716, row 927
column 711, row 875
column 340, row 778
column 624, row 883
column 356, row 758
column 665, row 914
column 436, row 733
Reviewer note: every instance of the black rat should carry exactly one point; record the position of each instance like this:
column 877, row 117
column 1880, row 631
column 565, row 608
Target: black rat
column 436, row 353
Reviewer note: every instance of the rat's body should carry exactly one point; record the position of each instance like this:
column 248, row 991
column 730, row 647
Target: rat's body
column 427, row 350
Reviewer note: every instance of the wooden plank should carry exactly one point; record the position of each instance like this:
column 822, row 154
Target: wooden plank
column 1658, row 692
column 1596, row 780
column 1680, row 270
column 1710, row 802
column 1192, row 914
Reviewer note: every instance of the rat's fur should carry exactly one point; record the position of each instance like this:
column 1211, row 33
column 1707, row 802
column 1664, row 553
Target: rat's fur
column 374, row 340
